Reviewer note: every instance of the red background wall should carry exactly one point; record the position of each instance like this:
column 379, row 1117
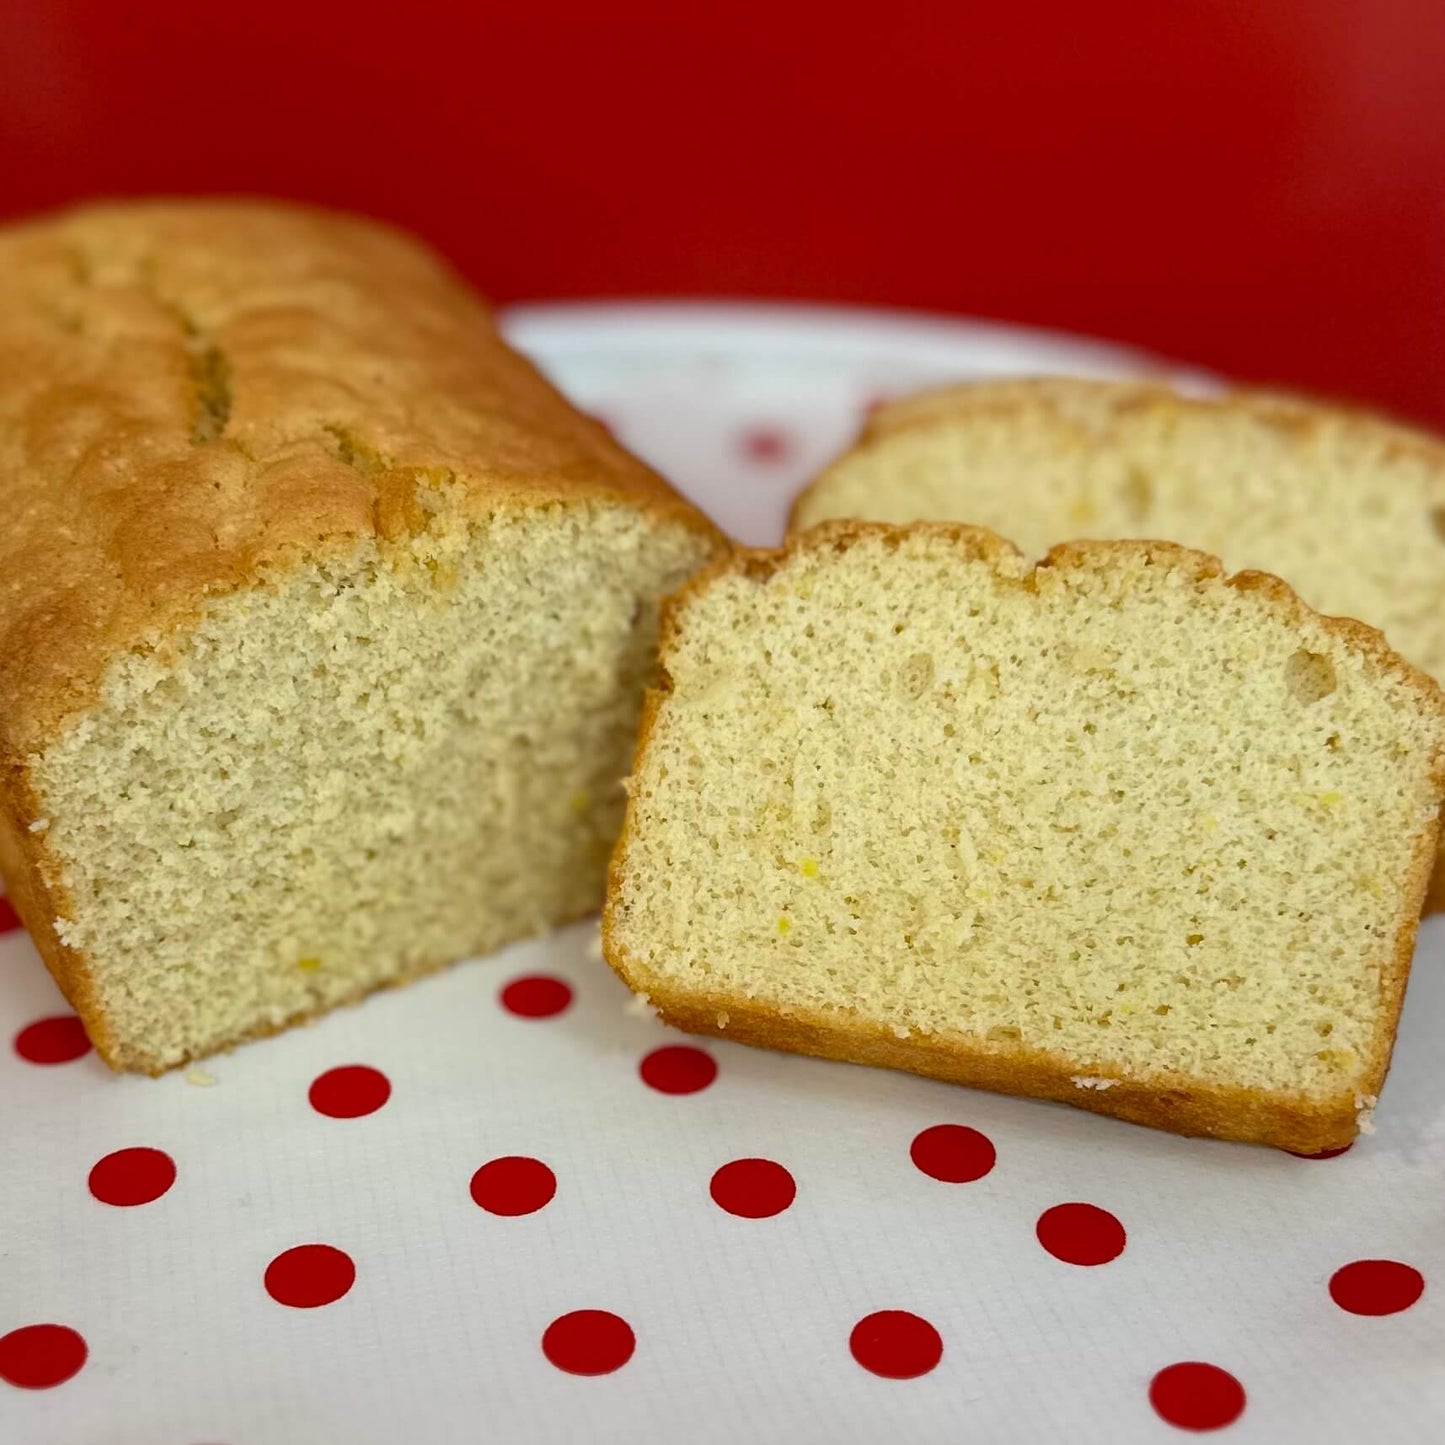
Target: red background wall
column 1256, row 186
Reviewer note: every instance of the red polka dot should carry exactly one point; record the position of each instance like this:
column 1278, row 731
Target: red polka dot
column 35, row 1357
column 349, row 1092
column 537, row 997
column 896, row 1344
column 953, row 1153
column 1376, row 1287
column 766, row 444
column 1081, row 1234
column 875, row 401
column 55, row 1040
column 513, row 1185
column 132, row 1176
column 678, row 1069
column 1196, row 1396
column 589, row 1342
column 9, row 918
column 1325, row 1153
column 309, row 1275
column 753, row 1188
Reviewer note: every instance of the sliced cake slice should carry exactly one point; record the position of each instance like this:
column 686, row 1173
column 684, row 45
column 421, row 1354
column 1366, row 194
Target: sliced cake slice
column 1117, row 829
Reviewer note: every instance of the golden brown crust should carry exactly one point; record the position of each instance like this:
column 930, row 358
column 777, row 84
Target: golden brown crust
column 1435, row 892
column 193, row 392
column 197, row 395
column 1303, row 1126
column 1184, row 1106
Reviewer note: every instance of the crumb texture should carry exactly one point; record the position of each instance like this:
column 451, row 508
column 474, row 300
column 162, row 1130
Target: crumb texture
column 362, row 769
column 1118, row 811
column 1350, row 510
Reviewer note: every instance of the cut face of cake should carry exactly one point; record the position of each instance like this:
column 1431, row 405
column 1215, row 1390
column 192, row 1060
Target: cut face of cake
column 1118, row 830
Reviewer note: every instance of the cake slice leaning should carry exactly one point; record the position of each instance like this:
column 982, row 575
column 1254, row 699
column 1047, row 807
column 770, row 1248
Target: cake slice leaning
column 1117, row 829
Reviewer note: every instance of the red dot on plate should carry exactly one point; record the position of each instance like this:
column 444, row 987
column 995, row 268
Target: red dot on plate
column 513, row 1185
column 896, row 1344
column 349, row 1092
column 9, row 918
column 765, row 444
column 1196, row 1396
column 953, row 1153
column 753, row 1188
column 1376, row 1286
column 1081, row 1234
column 55, row 1040
column 537, row 997
column 35, row 1357
column 1325, row 1153
column 309, row 1275
column 132, row 1176
column 678, row 1069
column 589, row 1342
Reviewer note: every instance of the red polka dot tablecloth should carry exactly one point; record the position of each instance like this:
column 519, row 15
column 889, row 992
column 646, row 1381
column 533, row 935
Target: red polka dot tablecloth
column 507, row 1204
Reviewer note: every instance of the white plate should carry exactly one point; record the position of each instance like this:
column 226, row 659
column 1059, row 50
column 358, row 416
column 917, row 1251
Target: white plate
column 742, row 1326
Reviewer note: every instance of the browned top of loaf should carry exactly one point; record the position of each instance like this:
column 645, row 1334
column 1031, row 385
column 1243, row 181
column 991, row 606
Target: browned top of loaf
column 1093, row 405
column 192, row 391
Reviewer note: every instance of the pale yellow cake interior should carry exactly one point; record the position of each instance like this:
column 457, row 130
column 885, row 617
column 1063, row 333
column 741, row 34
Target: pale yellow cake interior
column 356, row 770
column 1149, row 826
